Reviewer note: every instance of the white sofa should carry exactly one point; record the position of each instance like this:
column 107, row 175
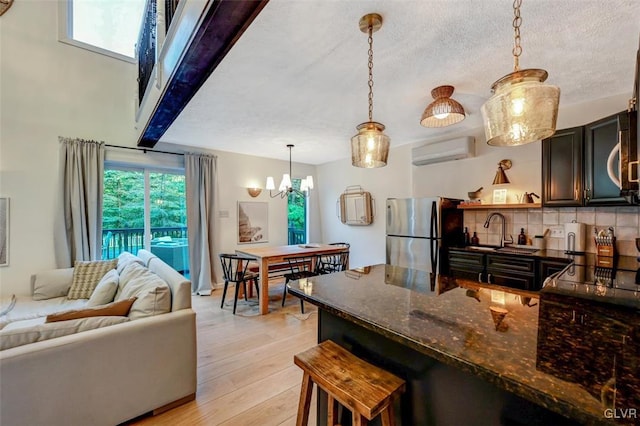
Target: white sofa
column 107, row 375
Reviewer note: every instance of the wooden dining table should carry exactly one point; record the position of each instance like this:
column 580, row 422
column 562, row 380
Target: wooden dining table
column 266, row 255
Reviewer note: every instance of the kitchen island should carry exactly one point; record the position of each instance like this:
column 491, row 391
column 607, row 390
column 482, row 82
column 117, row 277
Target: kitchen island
column 471, row 354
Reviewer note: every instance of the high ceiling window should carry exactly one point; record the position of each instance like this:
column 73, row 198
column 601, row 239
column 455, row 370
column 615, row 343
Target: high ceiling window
column 110, row 27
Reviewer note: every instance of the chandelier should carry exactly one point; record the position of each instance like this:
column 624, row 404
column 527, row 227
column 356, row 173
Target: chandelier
column 286, row 186
column 370, row 147
column 522, row 109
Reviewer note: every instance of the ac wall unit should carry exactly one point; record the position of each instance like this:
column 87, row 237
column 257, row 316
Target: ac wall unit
column 437, row 152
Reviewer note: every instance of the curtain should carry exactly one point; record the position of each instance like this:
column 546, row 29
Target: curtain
column 78, row 234
column 201, row 182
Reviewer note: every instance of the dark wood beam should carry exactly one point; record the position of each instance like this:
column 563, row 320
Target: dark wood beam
column 224, row 23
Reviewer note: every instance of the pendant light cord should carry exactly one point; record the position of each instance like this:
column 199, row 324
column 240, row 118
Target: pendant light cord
column 517, row 21
column 370, row 64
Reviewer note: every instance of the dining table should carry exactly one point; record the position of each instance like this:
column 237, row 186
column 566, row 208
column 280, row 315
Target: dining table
column 267, row 255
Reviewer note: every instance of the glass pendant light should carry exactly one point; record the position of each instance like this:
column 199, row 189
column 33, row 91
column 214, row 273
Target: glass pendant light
column 522, row 108
column 370, row 147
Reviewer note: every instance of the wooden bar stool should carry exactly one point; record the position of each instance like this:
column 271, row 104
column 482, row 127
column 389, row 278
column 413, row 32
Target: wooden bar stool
column 363, row 388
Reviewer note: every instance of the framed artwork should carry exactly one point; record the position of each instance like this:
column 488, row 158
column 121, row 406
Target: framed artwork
column 4, row 231
column 253, row 222
column 499, row 196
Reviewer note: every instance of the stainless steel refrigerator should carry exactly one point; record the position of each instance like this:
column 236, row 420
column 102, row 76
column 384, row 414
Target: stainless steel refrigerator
column 419, row 231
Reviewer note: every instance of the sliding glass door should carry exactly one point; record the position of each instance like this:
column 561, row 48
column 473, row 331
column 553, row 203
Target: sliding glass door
column 145, row 208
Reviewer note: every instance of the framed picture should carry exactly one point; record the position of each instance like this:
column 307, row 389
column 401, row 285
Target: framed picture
column 4, row 231
column 253, row 222
column 499, row 196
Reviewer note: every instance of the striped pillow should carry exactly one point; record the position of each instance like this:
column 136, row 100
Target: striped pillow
column 87, row 275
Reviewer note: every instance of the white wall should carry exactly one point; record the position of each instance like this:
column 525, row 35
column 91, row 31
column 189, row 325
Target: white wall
column 49, row 89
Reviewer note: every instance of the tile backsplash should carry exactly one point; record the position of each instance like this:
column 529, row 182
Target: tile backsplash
column 624, row 219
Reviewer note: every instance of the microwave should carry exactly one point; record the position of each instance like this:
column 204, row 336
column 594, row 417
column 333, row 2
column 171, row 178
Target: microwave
column 626, row 173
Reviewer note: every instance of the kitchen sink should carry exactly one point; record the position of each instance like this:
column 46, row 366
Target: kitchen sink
column 482, row 248
column 516, row 250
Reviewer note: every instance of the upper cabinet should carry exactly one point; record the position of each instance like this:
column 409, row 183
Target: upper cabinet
column 562, row 171
column 574, row 164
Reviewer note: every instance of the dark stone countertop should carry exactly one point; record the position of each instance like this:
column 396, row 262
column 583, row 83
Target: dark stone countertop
column 555, row 350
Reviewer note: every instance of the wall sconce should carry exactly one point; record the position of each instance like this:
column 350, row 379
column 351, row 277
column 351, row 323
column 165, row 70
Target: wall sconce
column 501, row 177
column 254, row 192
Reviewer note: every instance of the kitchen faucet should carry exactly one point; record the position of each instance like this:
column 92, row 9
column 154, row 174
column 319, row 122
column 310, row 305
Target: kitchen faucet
column 503, row 236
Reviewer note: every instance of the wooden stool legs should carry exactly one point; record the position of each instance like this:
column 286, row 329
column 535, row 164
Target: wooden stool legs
column 363, row 388
column 305, row 401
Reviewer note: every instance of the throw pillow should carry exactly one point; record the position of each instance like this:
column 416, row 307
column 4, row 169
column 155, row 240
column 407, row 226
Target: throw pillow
column 105, row 290
column 50, row 284
column 126, row 258
column 120, row 308
column 87, row 275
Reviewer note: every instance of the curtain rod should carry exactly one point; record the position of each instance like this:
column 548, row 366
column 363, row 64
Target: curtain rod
column 145, row 150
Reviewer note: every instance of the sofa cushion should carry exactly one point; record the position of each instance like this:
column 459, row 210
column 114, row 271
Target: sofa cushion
column 87, row 275
column 131, row 271
column 105, row 291
column 126, row 258
column 153, row 293
column 119, row 308
column 27, row 308
column 50, row 284
column 18, row 336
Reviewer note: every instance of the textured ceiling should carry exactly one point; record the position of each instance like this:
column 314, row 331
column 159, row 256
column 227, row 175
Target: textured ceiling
column 299, row 73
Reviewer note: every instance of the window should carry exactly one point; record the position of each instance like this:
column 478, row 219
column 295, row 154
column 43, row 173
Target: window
column 110, row 27
column 297, row 216
column 145, row 208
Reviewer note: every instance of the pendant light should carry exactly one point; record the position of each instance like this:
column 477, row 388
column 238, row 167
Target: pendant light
column 522, row 108
column 370, row 147
column 443, row 111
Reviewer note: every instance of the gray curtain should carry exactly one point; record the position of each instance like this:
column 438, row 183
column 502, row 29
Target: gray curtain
column 78, row 234
column 201, row 181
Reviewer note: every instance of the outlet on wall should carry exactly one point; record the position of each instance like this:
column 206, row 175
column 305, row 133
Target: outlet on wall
column 557, row 231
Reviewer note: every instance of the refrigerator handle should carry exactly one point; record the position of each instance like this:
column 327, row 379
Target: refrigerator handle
column 434, row 220
column 434, row 237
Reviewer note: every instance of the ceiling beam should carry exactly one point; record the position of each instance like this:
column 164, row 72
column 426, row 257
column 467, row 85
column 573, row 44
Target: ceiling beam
column 222, row 26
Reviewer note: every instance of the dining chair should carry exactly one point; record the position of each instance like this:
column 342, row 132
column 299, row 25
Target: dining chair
column 330, row 263
column 299, row 267
column 234, row 269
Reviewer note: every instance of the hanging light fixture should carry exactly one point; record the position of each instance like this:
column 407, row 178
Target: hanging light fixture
column 522, row 108
column 286, row 186
column 370, row 147
column 443, row 111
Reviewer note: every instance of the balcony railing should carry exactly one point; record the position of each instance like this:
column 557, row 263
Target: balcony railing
column 115, row 241
column 296, row 236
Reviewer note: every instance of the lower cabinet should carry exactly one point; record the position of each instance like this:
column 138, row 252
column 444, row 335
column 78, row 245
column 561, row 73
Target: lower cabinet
column 470, row 266
column 511, row 271
column 515, row 271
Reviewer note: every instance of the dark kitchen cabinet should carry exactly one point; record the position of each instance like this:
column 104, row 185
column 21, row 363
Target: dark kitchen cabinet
column 574, row 164
column 562, row 175
column 549, row 267
column 508, row 270
column 467, row 265
column 511, row 271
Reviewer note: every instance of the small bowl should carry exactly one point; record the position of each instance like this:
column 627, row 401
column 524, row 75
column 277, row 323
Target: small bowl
column 474, row 195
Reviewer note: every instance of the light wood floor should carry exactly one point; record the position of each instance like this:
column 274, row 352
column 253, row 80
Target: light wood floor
column 246, row 374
